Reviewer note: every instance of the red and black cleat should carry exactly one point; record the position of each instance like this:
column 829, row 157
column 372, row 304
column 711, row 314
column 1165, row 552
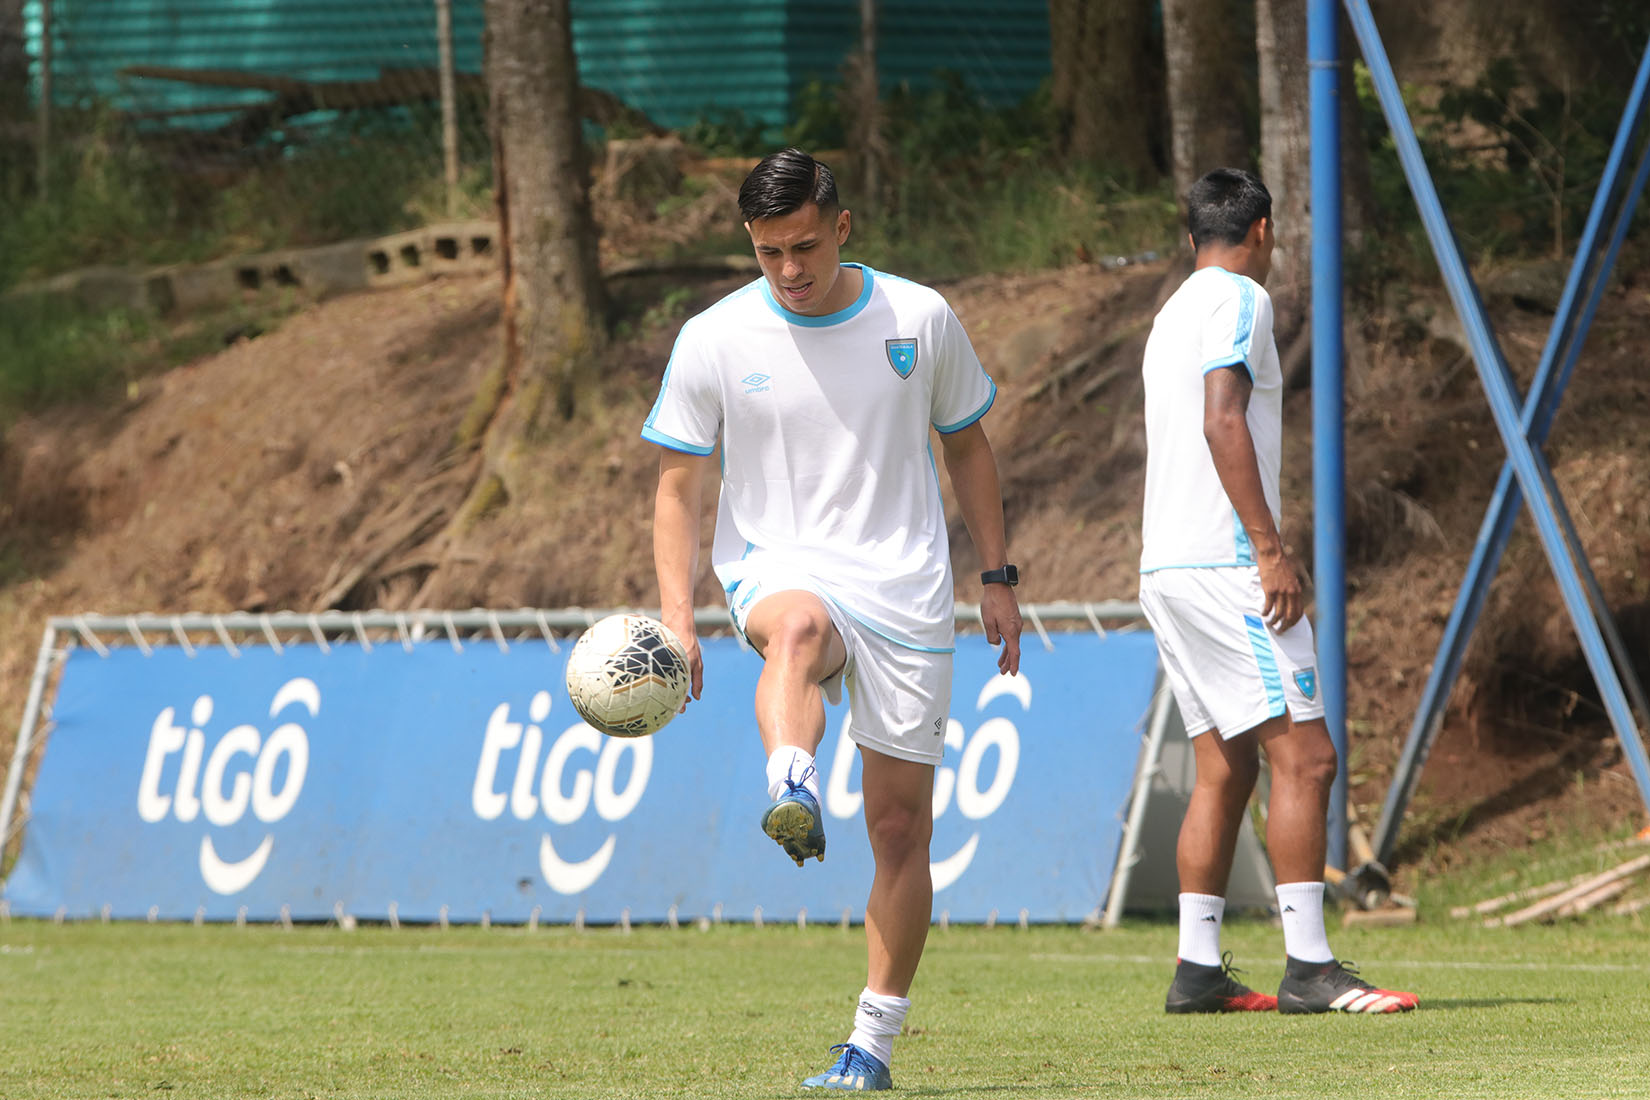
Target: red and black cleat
column 1200, row 988
column 1334, row 986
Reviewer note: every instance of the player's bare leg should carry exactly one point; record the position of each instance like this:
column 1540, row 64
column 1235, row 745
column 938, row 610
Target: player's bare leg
column 800, row 647
column 1302, row 761
column 899, row 819
column 1226, row 774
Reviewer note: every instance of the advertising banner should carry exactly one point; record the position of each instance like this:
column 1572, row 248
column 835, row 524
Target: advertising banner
column 431, row 781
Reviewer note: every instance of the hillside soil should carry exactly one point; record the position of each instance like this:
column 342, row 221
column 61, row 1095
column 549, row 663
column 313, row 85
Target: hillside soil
column 313, row 466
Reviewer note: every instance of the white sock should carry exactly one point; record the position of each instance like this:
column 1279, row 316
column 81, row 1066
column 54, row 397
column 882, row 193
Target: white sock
column 1301, row 906
column 876, row 1021
column 797, row 765
column 1200, row 917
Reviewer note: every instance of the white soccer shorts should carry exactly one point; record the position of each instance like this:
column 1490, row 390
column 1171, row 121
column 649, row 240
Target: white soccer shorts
column 898, row 697
column 1229, row 670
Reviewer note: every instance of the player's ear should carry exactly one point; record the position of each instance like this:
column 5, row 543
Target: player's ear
column 844, row 226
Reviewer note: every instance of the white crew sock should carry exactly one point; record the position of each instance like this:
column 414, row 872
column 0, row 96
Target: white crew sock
column 1200, row 917
column 788, row 761
column 877, row 1021
column 1301, row 906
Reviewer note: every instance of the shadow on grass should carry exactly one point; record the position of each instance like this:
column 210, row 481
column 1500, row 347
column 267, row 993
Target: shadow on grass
column 1456, row 1003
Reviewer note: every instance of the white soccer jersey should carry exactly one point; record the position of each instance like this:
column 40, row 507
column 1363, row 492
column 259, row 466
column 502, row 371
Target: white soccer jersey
column 1215, row 319
column 824, row 423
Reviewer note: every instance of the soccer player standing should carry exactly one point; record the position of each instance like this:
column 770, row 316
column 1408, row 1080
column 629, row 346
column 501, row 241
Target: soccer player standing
column 1224, row 600
column 821, row 381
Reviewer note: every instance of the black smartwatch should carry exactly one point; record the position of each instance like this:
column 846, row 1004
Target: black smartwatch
column 1008, row 574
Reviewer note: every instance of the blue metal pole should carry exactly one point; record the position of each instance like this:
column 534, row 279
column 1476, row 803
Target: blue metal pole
column 1588, row 276
column 1534, row 478
column 1328, row 409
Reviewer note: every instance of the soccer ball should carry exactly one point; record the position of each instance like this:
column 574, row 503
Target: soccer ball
column 627, row 675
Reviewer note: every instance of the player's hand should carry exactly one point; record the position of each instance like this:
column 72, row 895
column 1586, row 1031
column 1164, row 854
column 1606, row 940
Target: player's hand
column 1001, row 613
column 1280, row 582
column 695, row 658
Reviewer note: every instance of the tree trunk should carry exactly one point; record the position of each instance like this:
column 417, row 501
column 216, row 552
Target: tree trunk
column 867, row 150
column 1208, row 48
column 14, row 63
column 1108, row 87
column 1285, row 133
column 1357, row 189
column 553, row 295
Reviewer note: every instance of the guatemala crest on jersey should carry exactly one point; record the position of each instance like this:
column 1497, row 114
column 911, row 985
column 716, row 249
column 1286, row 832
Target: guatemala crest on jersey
column 902, row 356
column 1307, row 680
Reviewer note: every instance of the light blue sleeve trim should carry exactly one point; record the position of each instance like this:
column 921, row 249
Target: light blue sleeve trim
column 1233, row 360
column 805, row 320
column 1261, row 642
column 654, row 435
column 991, row 399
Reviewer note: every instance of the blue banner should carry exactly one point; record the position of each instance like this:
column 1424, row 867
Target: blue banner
column 430, row 782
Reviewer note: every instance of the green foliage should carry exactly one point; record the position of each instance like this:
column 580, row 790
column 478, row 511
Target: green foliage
column 1516, row 161
column 117, row 196
column 970, row 188
column 54, row 352
column 725, row 133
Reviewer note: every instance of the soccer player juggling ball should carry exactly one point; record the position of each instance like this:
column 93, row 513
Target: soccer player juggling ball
column 1224, row 600
column 820, row 381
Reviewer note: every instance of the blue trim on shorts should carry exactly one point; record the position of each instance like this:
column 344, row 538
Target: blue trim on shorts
column 1199, row 565
column 1261, row 642
column 887, row 637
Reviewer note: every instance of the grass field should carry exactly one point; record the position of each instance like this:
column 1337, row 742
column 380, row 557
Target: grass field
column 94, row 1010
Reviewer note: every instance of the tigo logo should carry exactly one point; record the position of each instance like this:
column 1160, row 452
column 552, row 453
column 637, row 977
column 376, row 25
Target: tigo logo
column 195, row 791
column 596, row 787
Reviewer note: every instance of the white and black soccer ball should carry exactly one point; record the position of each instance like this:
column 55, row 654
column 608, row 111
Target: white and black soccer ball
column 628, row 675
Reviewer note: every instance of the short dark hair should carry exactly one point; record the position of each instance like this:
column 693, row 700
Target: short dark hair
column 1222, row 206
column 783, row 183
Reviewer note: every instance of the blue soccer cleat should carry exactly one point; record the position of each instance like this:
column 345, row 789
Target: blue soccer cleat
column 796, row 823
column 855, row 1071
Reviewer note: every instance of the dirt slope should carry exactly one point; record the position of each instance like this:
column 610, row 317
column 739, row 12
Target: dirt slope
column 254, row 479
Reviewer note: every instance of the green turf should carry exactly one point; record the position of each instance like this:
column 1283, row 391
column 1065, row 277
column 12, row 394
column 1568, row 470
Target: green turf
column 97, row 1010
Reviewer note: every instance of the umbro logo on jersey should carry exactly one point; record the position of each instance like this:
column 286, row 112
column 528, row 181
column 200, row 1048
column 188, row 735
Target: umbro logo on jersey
column 902, row 356
column 756, row 383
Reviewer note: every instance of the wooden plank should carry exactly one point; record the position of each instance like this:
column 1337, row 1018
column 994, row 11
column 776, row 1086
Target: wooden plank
column 1581, row 889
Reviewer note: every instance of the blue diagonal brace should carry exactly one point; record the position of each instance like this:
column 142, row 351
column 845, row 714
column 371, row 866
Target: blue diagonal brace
column 1530, row 469
column 1588, row 276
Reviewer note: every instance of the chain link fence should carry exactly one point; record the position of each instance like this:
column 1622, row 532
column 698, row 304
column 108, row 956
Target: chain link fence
column 138, row 130
column 166, row 131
